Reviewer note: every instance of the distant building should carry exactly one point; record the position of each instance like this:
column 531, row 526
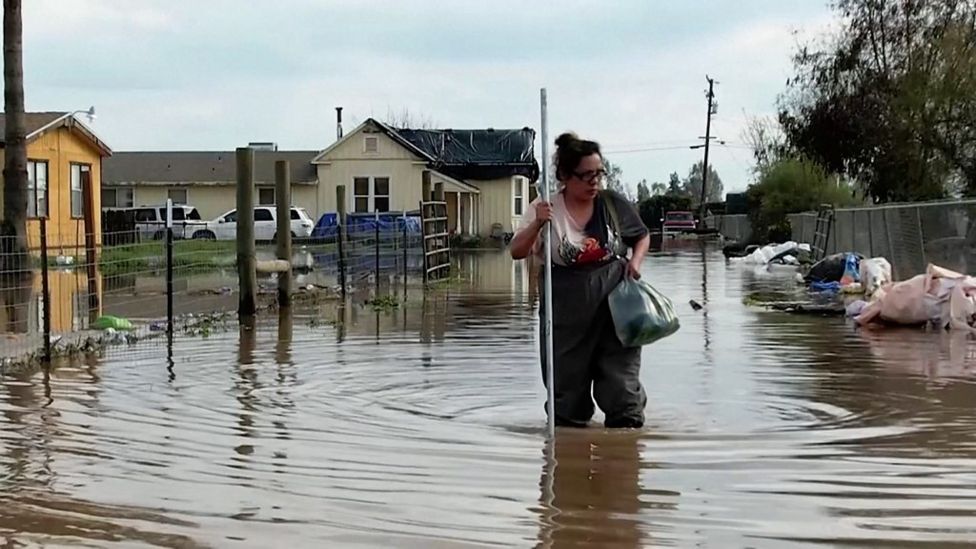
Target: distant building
column 205, row 179
column 486, row 175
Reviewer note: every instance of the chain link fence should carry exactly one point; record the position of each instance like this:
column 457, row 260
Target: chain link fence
column 910, row 236
column 120, row 282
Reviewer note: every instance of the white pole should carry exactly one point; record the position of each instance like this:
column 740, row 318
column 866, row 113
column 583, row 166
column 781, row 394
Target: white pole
column 547, row 273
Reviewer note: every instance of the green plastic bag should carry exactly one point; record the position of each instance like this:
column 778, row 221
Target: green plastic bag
column 641, row 314
column 114, row 322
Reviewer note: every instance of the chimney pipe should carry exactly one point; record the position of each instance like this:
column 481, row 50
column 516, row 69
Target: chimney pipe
column 338, row 123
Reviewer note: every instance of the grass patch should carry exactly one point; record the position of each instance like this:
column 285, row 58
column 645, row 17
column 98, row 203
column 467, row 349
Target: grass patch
column 188, row 255
column 384, row 303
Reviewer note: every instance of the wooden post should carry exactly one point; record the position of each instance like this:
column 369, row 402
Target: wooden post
column 425, row 186
column 91, row 256
column 341, row 235
column 246, row 264
column 283, row 244
column 439, row 192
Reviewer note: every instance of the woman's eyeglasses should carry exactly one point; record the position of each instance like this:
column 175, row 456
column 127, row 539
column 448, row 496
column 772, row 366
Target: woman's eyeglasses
column 591, row 176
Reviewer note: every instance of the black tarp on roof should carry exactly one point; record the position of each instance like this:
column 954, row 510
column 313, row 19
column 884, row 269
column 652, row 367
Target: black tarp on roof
column 478, row 154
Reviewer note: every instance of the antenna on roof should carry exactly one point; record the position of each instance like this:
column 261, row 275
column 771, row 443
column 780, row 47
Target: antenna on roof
column 338, row 123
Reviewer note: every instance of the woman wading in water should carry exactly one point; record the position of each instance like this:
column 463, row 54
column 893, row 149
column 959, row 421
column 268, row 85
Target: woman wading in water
column 592, row 230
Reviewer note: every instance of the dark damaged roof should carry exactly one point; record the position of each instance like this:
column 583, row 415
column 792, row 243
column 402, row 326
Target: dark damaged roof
column 477, row 154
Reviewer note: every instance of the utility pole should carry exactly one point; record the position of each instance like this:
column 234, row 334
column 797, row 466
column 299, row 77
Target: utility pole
column 712, row 109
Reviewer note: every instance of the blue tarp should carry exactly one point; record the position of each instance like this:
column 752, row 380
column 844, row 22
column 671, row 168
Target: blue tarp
column 366, row 223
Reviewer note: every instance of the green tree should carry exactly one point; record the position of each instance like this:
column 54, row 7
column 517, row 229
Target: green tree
column 765, row 137
column 791, row 185
column 888, row 100
column 659, row 188
column 643, row 192
column 692, row 185
column 674, row 184
column 613, row 180
column 13, row 230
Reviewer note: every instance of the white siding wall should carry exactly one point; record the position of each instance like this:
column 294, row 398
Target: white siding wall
column 212, row 201
column 496, row 204
column 349, row 161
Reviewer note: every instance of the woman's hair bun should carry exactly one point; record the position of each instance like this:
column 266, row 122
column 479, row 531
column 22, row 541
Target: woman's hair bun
column 566, row 139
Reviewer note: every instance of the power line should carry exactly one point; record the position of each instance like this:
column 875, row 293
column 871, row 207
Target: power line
column 649, row 149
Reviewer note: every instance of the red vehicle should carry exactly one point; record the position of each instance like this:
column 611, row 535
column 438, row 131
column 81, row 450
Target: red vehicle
column 678, row 222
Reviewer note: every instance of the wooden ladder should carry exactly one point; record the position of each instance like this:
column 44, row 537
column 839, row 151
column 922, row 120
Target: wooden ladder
column 821, row 231
column 437, row 248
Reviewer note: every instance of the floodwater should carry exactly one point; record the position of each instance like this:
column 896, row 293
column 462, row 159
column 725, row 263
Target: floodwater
column 424, row 427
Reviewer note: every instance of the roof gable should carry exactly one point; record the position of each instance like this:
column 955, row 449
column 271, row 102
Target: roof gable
column 372, row 125
column 38, row 123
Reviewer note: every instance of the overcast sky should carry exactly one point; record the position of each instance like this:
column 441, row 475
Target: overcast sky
column 216, row 74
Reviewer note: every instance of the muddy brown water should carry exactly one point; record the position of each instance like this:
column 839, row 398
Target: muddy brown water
column 424, row 427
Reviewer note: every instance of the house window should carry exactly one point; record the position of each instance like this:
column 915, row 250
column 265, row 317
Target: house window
column 371, row 144
column 518, row 194
column 371, row 194
column 178, row 196
column 361, row 194
column 381, row 194
column 118, row 198
column 77, row 195
column 266, row 196
column 37, row 188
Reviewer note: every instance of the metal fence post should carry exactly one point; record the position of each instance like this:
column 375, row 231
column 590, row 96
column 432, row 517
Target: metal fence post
column 921, row 236
column 376, row 232
column 891, row 247
column 340, row 235
column 406, row 246
column 46, row 291
column 169, row 267
column 870, row 216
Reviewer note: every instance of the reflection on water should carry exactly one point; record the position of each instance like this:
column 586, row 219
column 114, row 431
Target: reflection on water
column 336, row 425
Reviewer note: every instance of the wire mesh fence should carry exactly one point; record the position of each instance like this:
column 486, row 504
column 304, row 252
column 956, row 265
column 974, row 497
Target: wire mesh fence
column 67, row 295
column 910, row 236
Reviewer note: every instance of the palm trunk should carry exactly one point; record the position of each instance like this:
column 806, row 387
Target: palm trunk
column 13, row 231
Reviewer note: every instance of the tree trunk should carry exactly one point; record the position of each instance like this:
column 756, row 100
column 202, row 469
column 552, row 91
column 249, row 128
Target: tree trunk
column 13, row 230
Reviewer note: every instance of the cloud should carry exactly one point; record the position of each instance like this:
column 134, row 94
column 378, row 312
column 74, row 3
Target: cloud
column 185, row 74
